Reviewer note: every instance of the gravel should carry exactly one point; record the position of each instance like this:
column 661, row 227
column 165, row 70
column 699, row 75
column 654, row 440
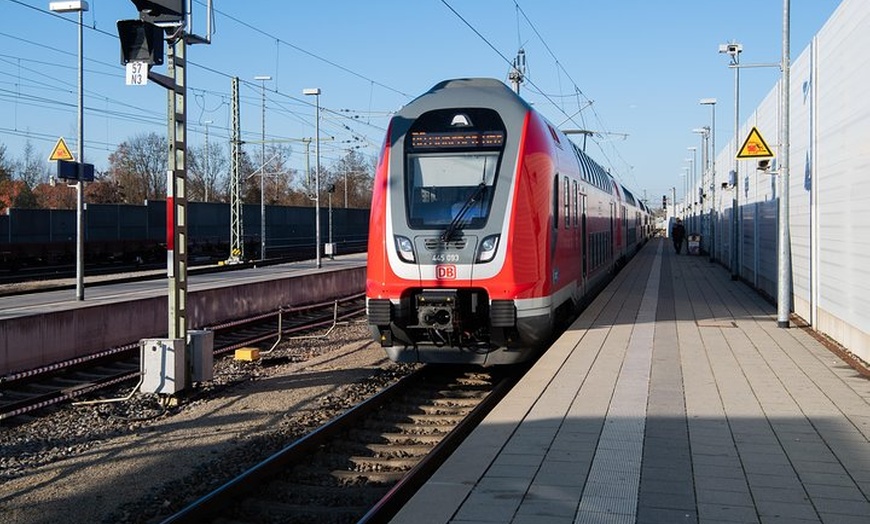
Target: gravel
column 140, row 460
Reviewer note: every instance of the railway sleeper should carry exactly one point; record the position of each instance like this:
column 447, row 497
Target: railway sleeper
column 408, row 428
column 418, row 418
column 396, row 439
column 440, row 408
column 378, row 464
column 384, row 450
column 368, row 477
column 335, row 495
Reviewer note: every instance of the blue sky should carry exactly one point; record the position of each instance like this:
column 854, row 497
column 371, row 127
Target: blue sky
column 643, row 64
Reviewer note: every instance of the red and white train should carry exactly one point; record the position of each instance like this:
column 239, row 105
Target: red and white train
column 488, row 227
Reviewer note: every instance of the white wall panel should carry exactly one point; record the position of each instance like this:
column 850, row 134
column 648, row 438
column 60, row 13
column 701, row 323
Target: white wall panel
column 843, row 171
column 829, row 175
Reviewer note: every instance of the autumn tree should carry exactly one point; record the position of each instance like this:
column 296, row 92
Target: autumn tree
column 56, row 195
column 138, row 167
column 17, row 179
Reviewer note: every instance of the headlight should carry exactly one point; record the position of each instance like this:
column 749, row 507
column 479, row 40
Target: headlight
column 487, row 248
column 405, row 249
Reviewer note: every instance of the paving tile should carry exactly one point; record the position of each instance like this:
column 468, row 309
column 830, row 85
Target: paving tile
column 726, row 513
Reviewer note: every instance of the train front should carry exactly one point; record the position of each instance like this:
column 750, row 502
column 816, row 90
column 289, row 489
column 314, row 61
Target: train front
column 440, row 287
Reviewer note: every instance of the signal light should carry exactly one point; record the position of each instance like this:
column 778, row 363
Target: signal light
column 140, row 42
column 665, row 202
column 160, row 11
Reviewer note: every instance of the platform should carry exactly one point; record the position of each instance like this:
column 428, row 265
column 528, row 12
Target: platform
column 44, row 329
column 673, row 398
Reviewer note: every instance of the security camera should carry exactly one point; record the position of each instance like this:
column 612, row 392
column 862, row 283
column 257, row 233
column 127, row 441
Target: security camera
column 731, row 49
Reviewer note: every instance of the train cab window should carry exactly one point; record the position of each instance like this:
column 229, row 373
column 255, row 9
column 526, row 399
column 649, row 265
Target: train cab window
column 441, row 186
column 452, row 159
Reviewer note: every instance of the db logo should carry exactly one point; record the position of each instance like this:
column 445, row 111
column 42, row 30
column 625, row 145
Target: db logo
column 445, row 272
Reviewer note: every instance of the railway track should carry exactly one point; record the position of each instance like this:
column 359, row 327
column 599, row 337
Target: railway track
column 364, row 465
column 29, row 391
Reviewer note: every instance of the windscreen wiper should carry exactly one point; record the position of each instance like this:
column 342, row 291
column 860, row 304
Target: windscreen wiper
column 470, row 201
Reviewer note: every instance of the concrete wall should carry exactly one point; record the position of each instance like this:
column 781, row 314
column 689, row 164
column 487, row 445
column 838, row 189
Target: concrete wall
column 41, row 340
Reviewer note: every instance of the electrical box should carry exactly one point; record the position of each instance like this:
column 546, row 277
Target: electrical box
column 329, row 248
column 163, row 365
column 200, row 351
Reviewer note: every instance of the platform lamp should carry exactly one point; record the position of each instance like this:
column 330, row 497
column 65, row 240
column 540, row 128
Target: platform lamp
column 712, row 159
column 733, row 50
column 315, row 91
column 78, row 6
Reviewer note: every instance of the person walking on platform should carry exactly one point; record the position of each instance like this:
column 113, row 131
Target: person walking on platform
column 678, row 233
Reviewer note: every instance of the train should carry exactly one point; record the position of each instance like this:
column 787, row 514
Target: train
column 135, row 235
column 489, row 228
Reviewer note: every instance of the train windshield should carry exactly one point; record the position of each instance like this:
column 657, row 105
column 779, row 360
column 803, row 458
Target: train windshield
column 442, row 187
column 451, row 161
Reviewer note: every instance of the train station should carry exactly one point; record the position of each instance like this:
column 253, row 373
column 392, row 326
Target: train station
column 469, row 309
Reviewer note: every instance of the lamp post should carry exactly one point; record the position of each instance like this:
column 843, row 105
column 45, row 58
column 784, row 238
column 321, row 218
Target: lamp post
column 685, row 176
column 712, row 159
column 692, row 181
column 783, row 301
column 263, row 79
column 78, row 6
column 733, row 50
column 315, row 91
column 702, row 173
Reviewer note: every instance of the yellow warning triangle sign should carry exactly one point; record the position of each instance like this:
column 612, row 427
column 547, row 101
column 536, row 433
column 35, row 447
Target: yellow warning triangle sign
column 754, row 146
column 60, row 152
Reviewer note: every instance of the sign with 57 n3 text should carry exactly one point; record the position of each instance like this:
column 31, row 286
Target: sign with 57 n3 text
column 137, row 73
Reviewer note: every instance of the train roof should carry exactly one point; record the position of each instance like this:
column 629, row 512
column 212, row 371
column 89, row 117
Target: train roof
column 470, row 92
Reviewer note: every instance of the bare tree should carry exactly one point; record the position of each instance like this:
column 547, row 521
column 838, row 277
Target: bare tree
column 353, row 177
column 32, row 169
column 6, row 165
column 207, row 176
column 138, row 167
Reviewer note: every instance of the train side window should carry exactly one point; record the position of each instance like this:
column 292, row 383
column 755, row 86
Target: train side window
column 556, row 201
column 576, row 205
column 567, row 203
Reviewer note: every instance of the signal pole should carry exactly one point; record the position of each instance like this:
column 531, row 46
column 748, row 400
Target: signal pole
column 783, row 299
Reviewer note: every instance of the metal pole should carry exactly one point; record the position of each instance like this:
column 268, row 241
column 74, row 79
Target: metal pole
column 692, row 181
column 80, row 190
column 262, row 79
column 783, row 301
column 331, row 253
column 316, row 92
column 735, row 199
column 713, row 180
column 317, row 177
column 263, row 178
column 176, row 200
